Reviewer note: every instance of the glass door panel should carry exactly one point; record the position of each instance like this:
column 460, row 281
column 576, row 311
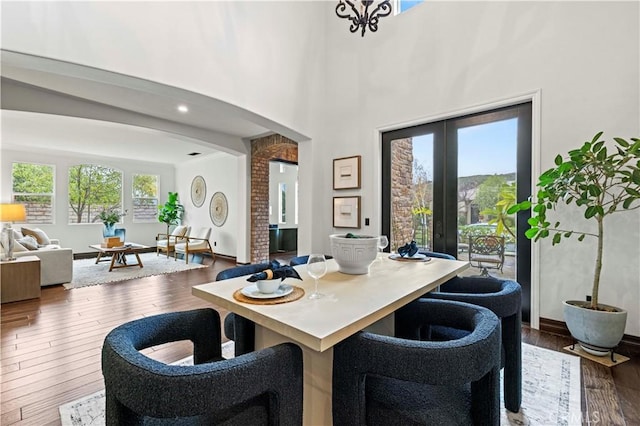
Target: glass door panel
column 412, row 191
column 487, row 169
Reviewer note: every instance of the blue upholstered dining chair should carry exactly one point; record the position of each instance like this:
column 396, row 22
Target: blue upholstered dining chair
column 384, row 380
column 263, row 387
column 504, row 298
column 239, row 329
column 302, row 260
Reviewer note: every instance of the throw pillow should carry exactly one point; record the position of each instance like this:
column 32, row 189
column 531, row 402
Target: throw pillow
column 40, row 236
column 29, row 242
column 18, row 247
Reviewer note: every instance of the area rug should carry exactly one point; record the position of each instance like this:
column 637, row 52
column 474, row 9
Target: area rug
column 550, row 392
column 86, row 272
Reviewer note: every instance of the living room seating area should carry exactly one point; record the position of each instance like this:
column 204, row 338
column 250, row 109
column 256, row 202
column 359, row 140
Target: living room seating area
column 56, row 262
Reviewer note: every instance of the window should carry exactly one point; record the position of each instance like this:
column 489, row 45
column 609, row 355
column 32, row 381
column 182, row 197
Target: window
column 33, row 187
column 145, row 198
column 283, row 202
column 403, row 5
column 93, row 188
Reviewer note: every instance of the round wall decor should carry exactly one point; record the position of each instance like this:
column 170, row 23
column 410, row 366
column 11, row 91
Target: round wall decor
column 218, row 209
column 198, row 191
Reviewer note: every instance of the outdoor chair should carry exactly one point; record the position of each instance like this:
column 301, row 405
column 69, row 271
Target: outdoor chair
column 237, row 328
column 384, row 380
column 504, row 298
column 259, row 388
column 486, row 252
column 166, row 242
column 196, row 242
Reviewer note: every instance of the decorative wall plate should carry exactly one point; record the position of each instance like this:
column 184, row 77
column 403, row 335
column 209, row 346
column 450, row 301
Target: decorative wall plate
column 218, row 209
column 198, row 191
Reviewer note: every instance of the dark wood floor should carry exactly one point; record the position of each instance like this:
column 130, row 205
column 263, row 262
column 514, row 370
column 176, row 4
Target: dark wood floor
column 50, row 348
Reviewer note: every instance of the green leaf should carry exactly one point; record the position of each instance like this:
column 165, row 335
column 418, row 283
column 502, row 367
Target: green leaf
column 568, row 234
column 597, row 146
column 581, row 237
column 632, row 192
column 596, row 137
column 532, row 221
column 621, row 142
column 590, row 212
column 558, row 160
column 556, row 239
column 531, row 232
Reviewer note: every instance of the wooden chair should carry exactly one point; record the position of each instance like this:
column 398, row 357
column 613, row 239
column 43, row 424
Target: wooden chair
column 486, row 252
column 166, row 242
column 195, row 242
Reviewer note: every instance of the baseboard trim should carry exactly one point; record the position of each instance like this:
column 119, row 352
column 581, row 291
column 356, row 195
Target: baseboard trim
column 560, row 328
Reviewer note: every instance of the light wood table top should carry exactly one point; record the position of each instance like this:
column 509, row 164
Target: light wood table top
column 351, row 302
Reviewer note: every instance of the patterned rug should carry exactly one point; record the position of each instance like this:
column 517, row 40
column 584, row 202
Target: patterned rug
column 86, row 272
column 550, row 392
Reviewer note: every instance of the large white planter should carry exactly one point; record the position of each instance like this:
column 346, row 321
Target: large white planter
column 596, row 331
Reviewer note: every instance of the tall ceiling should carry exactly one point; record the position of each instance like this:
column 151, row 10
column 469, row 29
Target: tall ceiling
column 48, row 104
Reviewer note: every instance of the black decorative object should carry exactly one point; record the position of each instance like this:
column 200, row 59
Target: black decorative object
column 408, row 249
column 275, row 271
column 357, row 12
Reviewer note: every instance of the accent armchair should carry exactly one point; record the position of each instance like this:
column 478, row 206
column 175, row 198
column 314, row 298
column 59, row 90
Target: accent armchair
column 196, row 242
column 504, row 298
column 166, row 242
column 383, row 380
column 260, row 388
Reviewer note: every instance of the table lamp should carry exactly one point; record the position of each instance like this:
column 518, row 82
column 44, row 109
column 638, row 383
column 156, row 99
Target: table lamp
column 10, row 213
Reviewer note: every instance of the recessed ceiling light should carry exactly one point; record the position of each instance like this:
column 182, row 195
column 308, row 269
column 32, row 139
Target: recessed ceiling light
column 183, row 108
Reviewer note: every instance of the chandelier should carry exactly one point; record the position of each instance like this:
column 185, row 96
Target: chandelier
column 360, row 17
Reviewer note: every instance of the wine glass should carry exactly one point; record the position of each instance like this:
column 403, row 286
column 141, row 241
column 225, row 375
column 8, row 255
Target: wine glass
column 316, row 268
column 383, row 242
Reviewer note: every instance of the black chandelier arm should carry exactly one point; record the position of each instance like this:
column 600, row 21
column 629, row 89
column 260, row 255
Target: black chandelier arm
column 362, row 21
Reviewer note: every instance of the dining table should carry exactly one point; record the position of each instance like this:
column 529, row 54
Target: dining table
column 351, row 303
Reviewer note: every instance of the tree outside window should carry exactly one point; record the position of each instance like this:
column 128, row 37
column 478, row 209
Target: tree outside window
column 33, row 186
column 145, row 198
column 92, row 189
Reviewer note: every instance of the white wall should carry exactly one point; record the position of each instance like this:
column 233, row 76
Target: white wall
column 220, row 173
column 444, row 57
column 80, row 236
column 262, row 56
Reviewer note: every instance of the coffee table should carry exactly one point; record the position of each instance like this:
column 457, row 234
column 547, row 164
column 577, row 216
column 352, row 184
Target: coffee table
column 119, row 254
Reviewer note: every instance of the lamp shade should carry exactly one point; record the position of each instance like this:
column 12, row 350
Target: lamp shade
column 12, row 213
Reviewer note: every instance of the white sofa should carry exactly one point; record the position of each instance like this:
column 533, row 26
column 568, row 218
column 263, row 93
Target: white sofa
column 56, row 263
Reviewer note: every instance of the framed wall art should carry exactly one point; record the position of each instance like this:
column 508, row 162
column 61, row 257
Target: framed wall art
column 346, row 173
column 218, row 209
column 198, row 191
column 346, row 212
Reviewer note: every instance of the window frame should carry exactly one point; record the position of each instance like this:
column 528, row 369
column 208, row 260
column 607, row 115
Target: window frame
column 134, row 198
column 43, row 194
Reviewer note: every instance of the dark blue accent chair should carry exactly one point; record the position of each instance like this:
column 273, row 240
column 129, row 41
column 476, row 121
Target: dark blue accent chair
column 239, row 329
column 504, row 298
column 261, row 388
column 302, row 260
column 384, row 380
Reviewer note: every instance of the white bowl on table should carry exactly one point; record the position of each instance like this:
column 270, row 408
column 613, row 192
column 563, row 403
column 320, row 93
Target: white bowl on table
column 354, row 255
column 268, row 286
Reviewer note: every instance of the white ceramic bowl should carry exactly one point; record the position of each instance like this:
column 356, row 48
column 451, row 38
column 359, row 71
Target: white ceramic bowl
column 268, row 286
column 354, row 255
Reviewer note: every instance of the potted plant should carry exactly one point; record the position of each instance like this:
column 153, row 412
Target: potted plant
column 171, row 212
column 601, row 182
column 109, row 217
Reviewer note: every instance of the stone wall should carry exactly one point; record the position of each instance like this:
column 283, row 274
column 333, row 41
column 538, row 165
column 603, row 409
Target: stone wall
column 263, row 150
column 401, row 192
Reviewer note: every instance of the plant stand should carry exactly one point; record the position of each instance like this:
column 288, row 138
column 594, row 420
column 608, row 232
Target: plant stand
column 608, row 361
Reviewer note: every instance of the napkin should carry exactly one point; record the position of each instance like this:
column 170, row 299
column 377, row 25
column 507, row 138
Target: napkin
column 409, row 249
column 275, row 271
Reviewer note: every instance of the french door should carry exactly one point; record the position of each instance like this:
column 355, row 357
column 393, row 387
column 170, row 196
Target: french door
column 447, row 182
